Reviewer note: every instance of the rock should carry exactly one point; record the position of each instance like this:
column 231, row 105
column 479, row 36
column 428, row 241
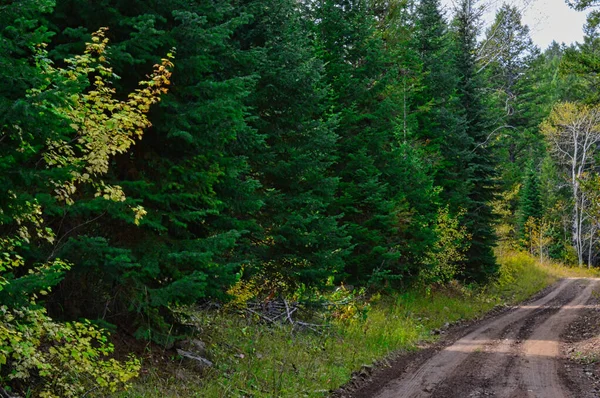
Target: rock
column 194, row 346
column 194, row 360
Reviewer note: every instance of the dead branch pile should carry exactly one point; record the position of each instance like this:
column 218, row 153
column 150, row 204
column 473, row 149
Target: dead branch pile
column 280, row 311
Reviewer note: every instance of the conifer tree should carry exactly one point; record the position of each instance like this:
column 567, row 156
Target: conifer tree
column 583, row 61
column 439, row 125
column 300, row 239
column 378, row 208
column 480, row 170
column 190, row 172
column 507, row 54
column 27, row 124
column 530, row 201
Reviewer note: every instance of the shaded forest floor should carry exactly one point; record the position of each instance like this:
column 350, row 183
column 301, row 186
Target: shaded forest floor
column 253, row 359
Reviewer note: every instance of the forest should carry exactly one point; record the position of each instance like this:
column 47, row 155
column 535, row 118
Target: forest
column 162, row 155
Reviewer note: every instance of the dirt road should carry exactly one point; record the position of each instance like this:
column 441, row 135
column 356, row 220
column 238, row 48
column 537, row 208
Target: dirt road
column 517, row 354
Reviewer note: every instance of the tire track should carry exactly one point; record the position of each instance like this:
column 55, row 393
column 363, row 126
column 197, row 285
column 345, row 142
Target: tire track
column 424, row 380
column 490, row 372
column 539, row 368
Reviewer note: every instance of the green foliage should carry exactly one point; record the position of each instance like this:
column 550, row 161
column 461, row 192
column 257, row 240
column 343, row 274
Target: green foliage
column 583, row 61
column 443, row 263
column 386, row 190
column 440, row 126
column 530, row 205
column 190, row 173
column 43, row 357
column 520, row 276
column 59, row 134
column 49, row 359
column 480, row 163
column 301, row 145
column 300, row 240
column 591, row 186
column 265, row 361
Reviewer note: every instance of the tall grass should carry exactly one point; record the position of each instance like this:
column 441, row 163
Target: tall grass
column 254, row 360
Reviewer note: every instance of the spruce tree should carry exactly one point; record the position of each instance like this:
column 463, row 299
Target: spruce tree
column 439, row 125
column 480, row 165
column 300, row 239
column 582, row 60
column 530, row 205
column 381, row 213
column 190, row 172
column 28, row 97
column 507, row 54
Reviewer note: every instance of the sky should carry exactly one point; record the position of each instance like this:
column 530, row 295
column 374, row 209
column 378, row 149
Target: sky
column 547, row 19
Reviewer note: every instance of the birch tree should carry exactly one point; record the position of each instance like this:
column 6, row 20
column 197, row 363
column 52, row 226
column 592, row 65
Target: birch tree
column 573, row 134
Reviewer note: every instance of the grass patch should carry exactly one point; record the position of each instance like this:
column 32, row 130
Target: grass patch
column 254, row 360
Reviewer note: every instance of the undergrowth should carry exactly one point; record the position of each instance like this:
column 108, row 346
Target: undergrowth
column 257, row 360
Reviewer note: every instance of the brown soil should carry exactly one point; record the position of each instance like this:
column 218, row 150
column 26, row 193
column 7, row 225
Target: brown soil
column 517, row 353
column 580, row 352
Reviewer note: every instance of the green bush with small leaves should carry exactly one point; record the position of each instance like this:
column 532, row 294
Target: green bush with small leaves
column 51, row 359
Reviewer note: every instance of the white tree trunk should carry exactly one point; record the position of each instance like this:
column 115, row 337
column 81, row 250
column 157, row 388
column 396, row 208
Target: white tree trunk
column 574, row 133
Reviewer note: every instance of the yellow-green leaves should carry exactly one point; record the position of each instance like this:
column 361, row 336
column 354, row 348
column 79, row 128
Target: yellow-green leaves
column 70, row 358
column 103, row 126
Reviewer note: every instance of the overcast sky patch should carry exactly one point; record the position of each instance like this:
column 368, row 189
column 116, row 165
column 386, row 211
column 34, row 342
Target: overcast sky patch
column 548, row 20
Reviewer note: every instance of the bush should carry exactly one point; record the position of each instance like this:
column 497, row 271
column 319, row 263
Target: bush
column 45, row 358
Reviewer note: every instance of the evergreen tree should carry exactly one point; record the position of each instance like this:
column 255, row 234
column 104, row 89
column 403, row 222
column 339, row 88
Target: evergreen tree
column 439, row 125
column 507, row 55
column 59, row 127
column 381, row 214
column 530, row 201
column 190, row 172
column 554, row 195
column 479, row 219
column 27, row 124
column 583, row 61
column 301, row 241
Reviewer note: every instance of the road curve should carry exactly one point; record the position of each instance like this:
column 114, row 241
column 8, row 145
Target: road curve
column 514, row 355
